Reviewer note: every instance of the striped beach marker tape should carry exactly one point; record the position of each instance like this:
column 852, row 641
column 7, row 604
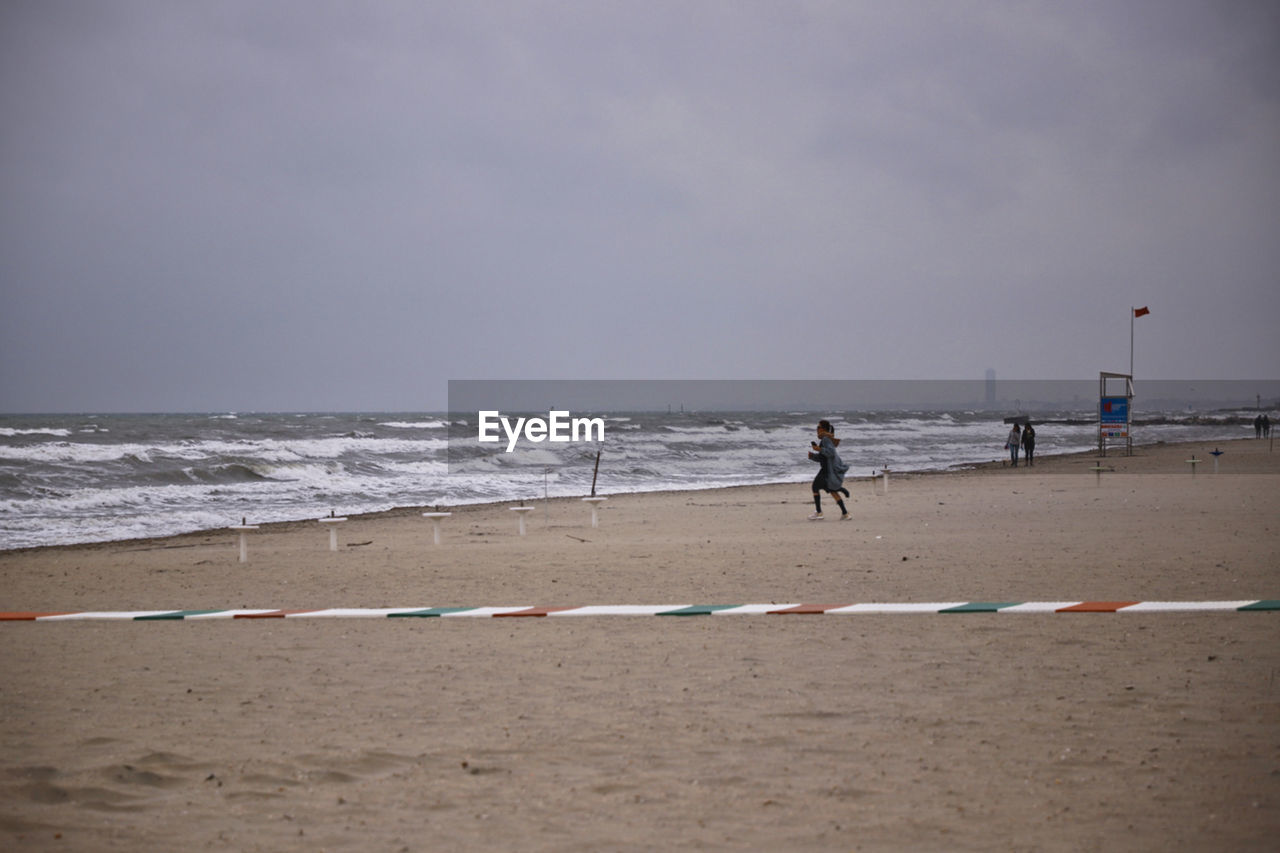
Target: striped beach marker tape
column 771, row 609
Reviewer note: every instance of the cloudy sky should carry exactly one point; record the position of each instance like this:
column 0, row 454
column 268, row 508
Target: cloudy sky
column 308, row 205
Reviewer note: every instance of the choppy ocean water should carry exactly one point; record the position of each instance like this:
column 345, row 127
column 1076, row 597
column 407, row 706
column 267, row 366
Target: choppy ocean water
column 68, row 479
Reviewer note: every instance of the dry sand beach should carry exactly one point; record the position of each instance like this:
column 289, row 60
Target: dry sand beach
column 1124, row 731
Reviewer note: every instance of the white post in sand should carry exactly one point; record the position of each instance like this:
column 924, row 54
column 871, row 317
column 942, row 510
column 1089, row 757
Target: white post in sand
column 595, row 505
column 244, row 529
column 520, row 513
column 436, row 517
column 1216, row 453
column 885, row 472
column 332, row 522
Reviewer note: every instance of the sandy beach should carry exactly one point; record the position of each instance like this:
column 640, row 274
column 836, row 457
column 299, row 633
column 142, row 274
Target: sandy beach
column 1053, row 731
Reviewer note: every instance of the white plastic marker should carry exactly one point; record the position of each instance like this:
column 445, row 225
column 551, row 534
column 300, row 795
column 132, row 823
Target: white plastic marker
column 332, row 522
column 595, row 505
column 436, row 517
column 244, row 529
column 520, row 513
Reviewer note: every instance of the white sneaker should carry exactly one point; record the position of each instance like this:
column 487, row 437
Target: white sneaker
column 816, row 516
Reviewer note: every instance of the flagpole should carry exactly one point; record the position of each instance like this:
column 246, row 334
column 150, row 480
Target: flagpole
column 1131, row 317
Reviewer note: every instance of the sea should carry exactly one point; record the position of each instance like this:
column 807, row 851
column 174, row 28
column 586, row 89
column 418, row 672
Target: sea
column 67, row 479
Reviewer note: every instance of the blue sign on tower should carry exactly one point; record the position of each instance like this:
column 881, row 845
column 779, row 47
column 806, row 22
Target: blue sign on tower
column 1114, row 410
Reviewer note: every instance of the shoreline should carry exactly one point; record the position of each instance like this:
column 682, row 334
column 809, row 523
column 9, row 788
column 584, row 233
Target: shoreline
column 1148, row 729
column 959, row 469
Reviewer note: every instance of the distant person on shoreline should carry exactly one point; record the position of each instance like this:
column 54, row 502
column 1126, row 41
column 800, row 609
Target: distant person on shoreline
column 831, row 473
column 1266, row 426
column 1029, row 443
column 1257, row 427
column 1013, row 443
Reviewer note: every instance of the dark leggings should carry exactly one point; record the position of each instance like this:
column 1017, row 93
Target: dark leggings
column 819, row 486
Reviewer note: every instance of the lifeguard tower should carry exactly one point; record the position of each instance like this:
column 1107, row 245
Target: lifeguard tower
column 1115, row 413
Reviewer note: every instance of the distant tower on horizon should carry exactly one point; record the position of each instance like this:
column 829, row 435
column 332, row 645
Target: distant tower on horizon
column 991, row 386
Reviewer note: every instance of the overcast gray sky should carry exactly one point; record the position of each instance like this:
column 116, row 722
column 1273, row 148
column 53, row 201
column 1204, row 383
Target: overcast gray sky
column 316, row 205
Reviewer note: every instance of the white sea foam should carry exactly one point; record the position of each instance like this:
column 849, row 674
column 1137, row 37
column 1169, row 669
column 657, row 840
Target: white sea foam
column 57, row 431
column 157, row 475
column 415, row 424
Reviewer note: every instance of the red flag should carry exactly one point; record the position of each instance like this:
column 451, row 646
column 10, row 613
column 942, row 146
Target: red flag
column 1138, row 312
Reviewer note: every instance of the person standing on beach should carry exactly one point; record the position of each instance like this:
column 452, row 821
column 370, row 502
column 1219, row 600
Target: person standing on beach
column 1012, row 445
column 831, row 473
column 1029, row 443
column 1257, row 427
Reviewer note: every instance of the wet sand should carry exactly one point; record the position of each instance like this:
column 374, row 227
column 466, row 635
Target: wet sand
column 1126, row 731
